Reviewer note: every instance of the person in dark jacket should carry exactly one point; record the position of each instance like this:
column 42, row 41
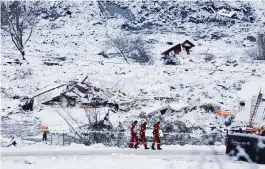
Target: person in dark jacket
column 13, row 141
column 262, row 131
column 44, row 136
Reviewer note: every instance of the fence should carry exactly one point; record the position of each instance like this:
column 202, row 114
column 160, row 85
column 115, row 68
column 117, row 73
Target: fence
column 61, row 139
column 122, row 139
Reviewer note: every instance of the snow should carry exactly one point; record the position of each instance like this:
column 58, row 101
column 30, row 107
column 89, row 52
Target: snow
column 179, row 106
column 152, row 109
column 81, row 156
column 114, row 120
column 7, row 142
column 249, row 90
column 50, row 117
column 101, row 147
column 252, row 88
column 8, row 105
column 118, row 158
column 55, row 122
column 51, row 94
column 192, row 116
column 117, row 161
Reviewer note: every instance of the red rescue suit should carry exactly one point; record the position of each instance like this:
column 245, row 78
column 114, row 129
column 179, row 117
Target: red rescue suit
column 142, row 135
column 156, row 138
column 134, row 137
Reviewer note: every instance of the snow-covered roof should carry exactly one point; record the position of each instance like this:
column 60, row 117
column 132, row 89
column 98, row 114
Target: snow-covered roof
column 49, row 95
column 186, row 44
column 52, row 87
column 224, row 12
column 179, row 106
column 152, row 109
column 173, row 106
column 71, row 94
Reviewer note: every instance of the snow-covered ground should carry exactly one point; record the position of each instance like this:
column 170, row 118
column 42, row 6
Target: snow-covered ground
column 99, row 149
column 117, row 161
column 105, row 157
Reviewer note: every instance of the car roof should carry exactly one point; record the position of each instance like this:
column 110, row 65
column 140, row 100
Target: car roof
column 248, row 135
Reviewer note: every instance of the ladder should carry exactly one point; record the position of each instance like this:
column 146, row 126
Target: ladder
column 263, row 115
column 256, row 107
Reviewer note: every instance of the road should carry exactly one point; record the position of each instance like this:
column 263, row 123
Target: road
column 17, row 153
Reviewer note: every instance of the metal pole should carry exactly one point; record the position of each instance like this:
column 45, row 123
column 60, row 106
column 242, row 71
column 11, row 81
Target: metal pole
column 51, row 139
column 63, row 139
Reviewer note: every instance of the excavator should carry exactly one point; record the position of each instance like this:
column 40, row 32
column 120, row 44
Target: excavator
column 247, row 143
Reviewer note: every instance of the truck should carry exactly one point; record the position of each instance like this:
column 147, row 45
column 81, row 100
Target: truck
column 246, row 147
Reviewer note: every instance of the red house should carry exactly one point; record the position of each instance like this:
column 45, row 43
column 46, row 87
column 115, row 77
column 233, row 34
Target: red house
column 175, row 50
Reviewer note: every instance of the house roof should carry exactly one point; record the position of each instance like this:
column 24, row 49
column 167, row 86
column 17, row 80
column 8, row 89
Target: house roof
column 173, row 106
column 170, row 49
column 188, row 42
column 177, row 45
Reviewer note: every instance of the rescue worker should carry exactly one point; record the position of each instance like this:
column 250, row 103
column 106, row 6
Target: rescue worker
column 13, row 141
column 44, row 136
column 156, row 138
column 262, row 131
column 142, row 134
column 134, row 138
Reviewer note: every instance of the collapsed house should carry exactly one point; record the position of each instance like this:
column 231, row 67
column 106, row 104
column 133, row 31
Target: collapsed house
column 169, row 110
column 176, row 49
column 70, row 94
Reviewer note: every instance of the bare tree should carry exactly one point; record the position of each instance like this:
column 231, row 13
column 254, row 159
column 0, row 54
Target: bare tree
column 92, row 115
column 20, row 17
column 4, row 15
column 87, row 131
column 121, row 45
column 131, row 47
column 140, row 51
column 82, row 138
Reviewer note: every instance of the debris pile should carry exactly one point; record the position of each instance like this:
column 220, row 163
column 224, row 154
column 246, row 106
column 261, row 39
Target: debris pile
column 77, row 93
